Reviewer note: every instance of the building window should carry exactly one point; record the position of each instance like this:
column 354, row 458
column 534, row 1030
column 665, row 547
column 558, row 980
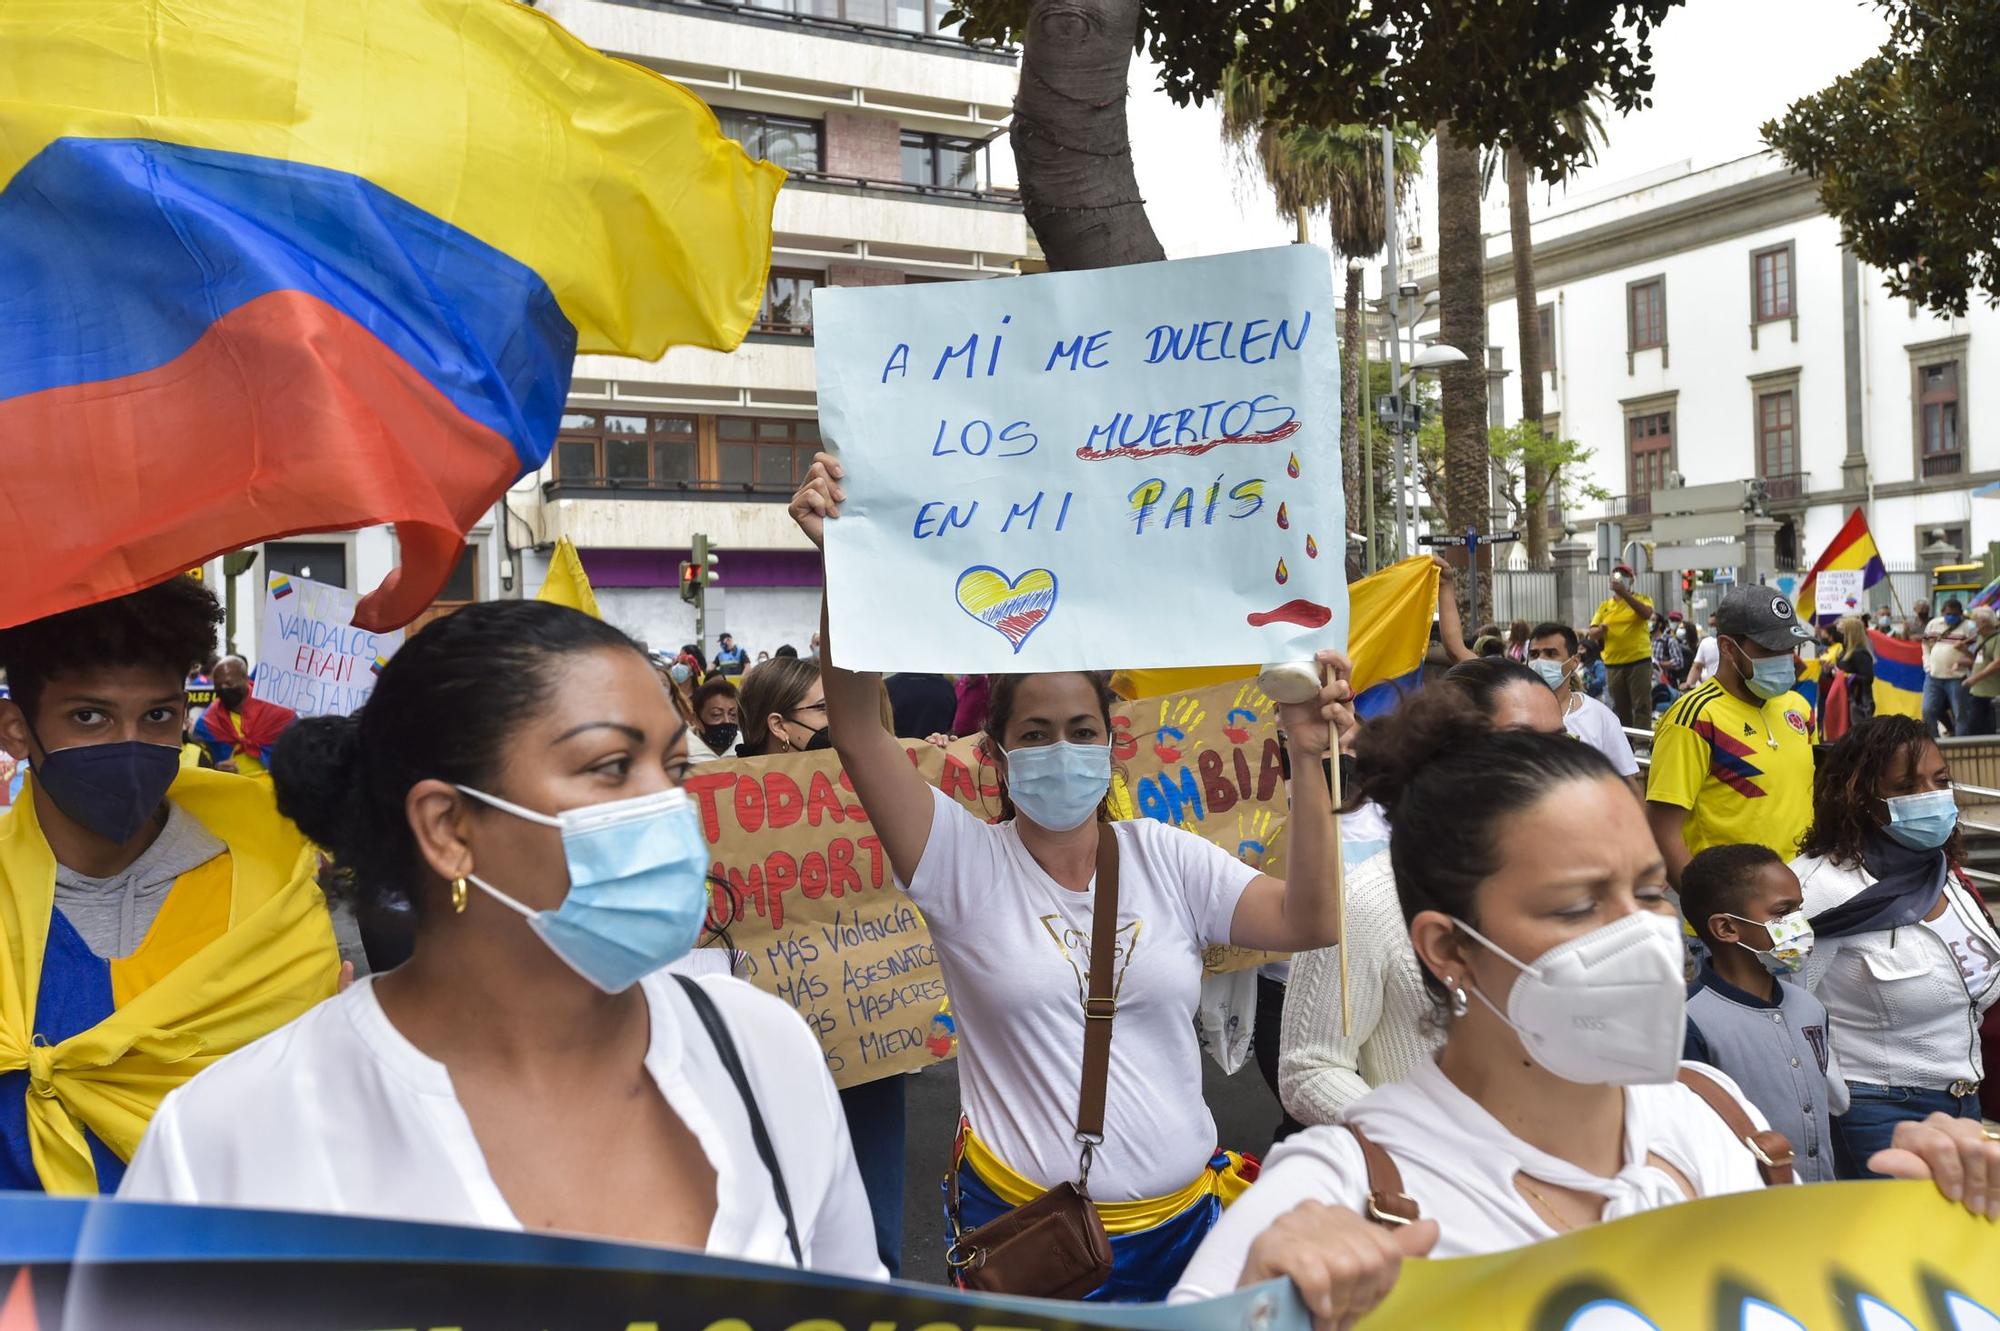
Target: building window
column 315, row 561
column 782, row 140
column 1940, row 448
column 627, row 451
column 1771, row 283
column 1649, row 455
column 1552, row 429
column 1778, row 443
column 764, row 454
column 1646, row 314
column 1547, row 315
column 788, row 302
column 901, row 15
column 939, row 161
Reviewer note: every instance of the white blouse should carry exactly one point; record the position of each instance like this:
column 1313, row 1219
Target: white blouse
column 339, row 1112
column 1458, row 1163
column 1902, row 1007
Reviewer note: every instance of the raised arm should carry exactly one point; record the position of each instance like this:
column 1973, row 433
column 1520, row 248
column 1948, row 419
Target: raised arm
column 1304, row 910
column 898, row 800
column 1451, row 629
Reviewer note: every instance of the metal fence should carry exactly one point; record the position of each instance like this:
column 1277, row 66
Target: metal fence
column 1525, row 594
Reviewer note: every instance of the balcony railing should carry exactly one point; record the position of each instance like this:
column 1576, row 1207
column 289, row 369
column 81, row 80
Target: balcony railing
column 858, row 18
column 1787, row 487
column 1001, row 198
column 618, row 487
column 1943, row 464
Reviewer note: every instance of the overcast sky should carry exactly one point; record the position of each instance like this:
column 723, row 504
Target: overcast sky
column 1722, row 68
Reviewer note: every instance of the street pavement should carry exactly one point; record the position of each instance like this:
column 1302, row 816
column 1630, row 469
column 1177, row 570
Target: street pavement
column 1245, row 1112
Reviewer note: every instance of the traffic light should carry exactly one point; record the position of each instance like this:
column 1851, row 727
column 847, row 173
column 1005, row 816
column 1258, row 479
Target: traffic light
column 698, row 573
column 1687, row 582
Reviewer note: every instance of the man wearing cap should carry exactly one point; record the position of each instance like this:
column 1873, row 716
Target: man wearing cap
column 1733, row 758
column 1620, row 626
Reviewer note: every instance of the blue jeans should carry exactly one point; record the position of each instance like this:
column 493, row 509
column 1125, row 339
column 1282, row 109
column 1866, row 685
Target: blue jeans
column 1872, row 1116
column 1940, row 695
column 877, row 1124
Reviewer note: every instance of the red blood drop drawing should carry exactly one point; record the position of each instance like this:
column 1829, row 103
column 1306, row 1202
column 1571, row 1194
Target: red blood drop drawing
column 1284, row 518
column 1312, row 548
column 1284, row 574
column 1306, row 614
column 1292, row 466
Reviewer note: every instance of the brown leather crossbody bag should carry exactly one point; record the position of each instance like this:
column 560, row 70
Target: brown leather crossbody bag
column 1055, row 1247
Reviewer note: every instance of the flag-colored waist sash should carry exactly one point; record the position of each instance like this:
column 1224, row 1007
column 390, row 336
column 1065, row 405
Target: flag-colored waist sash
column 1227, row 1177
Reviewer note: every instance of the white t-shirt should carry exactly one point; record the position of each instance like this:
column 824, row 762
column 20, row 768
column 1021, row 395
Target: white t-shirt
column 1015, row 949
column 1950, row 657
column 1708, row 656
column 1598, row 726
column 339, row 1112
column 1458, row 1163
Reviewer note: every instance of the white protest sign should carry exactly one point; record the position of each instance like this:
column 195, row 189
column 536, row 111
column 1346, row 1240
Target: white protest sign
column 310, row 657
column 1839, row 591
column 1126, row 467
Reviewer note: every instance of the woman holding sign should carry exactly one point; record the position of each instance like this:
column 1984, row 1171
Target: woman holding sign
column 1010, row 908
column 515, row 777
column 1537, row 903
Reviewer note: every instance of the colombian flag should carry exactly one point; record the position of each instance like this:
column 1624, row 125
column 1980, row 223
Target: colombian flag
column 1899, row 675
column 274, row 266
column 1854, row 547
column 1389, row 616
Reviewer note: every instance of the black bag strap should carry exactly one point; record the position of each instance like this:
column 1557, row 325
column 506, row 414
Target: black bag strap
column 725, row 1049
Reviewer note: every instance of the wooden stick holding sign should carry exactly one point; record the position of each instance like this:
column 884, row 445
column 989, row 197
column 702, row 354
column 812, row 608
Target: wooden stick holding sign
column 1298, row 682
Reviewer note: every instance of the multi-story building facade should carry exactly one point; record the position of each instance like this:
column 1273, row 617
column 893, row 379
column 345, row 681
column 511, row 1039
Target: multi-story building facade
column 887, row 127
column 1708, row 326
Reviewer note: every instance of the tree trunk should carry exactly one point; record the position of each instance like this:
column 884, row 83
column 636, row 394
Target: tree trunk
column 1462, row 324
column 1352, row 489
column 1528, row 314
column 1071, row 143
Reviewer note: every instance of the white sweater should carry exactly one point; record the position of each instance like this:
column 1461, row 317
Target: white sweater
column 1320, row 1071
column 1895, row 1001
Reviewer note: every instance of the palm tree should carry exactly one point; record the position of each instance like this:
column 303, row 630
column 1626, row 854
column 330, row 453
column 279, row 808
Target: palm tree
column 1462, row 324
column 1335, row 169
column 1588, row 128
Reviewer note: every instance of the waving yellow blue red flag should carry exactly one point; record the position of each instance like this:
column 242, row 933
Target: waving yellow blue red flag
column 285, row 265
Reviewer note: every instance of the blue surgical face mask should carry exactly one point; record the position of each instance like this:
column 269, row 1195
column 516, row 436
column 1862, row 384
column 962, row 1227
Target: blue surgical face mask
column 109, row 789
column 1769, row 677
column 1552, row 673
column 1923, row 821
column 638, row 886
column 1059, row 786
column 679, row 671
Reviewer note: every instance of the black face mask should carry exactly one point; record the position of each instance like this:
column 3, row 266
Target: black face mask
column 822, row 739
column 720, row 737
column 110, row 789
column 232, row 699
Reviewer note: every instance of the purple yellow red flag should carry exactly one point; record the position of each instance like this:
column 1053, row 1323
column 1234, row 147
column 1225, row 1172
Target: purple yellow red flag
column 275, row 266
column 1853, row 547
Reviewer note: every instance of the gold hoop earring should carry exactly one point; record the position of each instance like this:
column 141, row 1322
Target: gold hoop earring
column 458, row 895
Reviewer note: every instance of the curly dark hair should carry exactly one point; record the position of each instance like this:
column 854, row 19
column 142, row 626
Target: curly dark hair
column 170, row 625
column 1847, row 788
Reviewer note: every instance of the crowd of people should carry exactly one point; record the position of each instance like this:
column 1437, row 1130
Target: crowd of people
column 1577, row 987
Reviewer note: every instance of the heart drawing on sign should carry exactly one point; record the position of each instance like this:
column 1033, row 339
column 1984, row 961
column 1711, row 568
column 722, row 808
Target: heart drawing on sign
column 1011, row 607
